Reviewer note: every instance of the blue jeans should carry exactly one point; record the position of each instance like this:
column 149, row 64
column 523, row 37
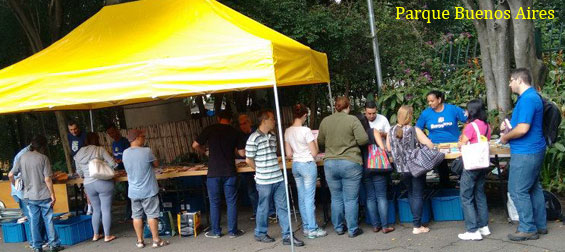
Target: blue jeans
column 277, row 192
column 305, row 174
column 525, row 190
column 473, row 199
column 415, row 186
column 344, row 181
column 253, row 195
column 215, row 186
column 41, row 210
column 22, row 204
column 377, row 203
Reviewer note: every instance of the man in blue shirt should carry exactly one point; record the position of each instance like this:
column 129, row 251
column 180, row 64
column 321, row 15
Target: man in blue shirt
column 76, row 137
column 143, row 188
column 19, row 195
column 527, row 148
column 119, row 144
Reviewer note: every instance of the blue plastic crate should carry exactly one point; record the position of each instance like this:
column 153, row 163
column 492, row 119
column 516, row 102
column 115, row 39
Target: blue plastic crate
column 42, row 226
column 405, row 213
column 446, row 205
column 391, row 211
column 13, row 232
column 74, row 230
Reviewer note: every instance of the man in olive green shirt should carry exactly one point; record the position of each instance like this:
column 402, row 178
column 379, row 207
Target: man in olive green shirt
column 342, row 134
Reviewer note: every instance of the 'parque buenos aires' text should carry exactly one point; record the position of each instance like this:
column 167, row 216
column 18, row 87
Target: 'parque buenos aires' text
column 462, row 13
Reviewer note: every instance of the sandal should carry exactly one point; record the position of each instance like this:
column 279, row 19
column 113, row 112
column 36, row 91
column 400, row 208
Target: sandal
column 109, row 238
column 140, row 244
column 160, row 243
column 96, row 237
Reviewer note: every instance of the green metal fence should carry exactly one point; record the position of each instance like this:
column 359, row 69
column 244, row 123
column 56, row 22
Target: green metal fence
column 549, row 40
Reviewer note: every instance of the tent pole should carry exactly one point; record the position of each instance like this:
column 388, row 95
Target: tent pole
column 281, row 144
column 331, row 98
column 91, row 122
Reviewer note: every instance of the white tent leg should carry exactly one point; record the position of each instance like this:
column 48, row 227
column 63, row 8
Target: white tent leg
column 331, row 98
column 281, row 144
column 91, row 122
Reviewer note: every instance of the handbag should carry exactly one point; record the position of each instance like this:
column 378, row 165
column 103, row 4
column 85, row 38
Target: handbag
column 377, row 159
column 19, row 184
column 422, row 159
column 99, row 169
column 476, row 156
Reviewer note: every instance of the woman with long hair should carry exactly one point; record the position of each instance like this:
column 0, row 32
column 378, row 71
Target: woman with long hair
column 400, row 141
column 472, row 182
column 301, row 146
column 342, row 134
column 100, row 192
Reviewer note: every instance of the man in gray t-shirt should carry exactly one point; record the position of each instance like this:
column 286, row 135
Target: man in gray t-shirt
column 38, row 192
column 143, row 188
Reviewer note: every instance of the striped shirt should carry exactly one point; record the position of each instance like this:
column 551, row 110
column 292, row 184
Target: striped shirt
column 262, row 148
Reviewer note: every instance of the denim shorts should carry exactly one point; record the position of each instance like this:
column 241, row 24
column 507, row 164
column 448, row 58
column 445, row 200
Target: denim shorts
column 149, row 206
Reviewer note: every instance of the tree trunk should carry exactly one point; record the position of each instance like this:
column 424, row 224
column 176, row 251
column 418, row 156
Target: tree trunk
column 499, row 41
column 62, row 127
column 12, row 130
column 524, row 43
column 22, row 141
column 493, row 36
column 56, row 17
column 32, row 33
column 111, row 2
column 313, row 106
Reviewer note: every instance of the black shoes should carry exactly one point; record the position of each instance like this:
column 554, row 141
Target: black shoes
column 237, row 233
column 542, row 231
column 356, row 233
column 520, row 236
column 297, row 243
column 264, row 239
column 56, row 249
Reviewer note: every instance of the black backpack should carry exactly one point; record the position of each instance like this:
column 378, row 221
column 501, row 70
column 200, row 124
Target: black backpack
column 551, row 121
column 552, row 206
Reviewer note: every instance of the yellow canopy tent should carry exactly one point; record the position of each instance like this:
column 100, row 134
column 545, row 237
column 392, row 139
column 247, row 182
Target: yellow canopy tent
column 157, row 49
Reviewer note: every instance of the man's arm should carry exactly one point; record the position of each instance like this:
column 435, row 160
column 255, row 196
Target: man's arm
column 198, row 147
column 520, row 130
column 11, row 178
column 288, row 149
column 250, row 162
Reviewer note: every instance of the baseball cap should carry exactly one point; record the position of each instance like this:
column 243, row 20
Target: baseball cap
column 133, row 134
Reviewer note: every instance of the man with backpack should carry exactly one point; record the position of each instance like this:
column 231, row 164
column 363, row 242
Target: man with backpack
column 527, row 149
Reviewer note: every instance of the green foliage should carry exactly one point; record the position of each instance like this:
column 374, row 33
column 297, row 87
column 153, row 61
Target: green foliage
column 554, row 163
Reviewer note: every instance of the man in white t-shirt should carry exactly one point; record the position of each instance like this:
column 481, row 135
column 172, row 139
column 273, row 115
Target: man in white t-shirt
column 376, row 121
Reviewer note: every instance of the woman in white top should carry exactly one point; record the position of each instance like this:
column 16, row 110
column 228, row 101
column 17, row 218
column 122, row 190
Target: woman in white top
column 301, row 146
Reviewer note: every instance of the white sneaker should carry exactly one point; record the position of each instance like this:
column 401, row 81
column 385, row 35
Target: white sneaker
column 317, row 233
column 468, row 236
column 420, row 230
column 484, row 231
